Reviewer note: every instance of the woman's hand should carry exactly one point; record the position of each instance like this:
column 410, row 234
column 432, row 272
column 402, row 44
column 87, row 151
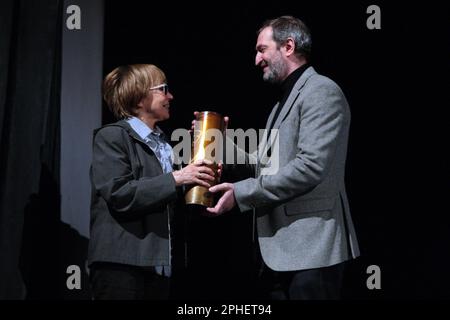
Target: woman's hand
column 195, row 173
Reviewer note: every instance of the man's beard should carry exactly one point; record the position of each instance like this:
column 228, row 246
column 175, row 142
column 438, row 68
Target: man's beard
column 276, row 70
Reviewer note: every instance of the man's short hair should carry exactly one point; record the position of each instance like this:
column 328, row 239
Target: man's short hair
column 290, row 27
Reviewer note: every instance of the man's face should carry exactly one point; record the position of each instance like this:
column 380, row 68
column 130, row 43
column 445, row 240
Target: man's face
column 269, row 57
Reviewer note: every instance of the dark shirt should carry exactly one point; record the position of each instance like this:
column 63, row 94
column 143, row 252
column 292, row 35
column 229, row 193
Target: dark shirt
column 286, row 88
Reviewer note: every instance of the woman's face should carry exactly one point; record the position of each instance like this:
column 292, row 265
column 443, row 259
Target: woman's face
column 155, row 106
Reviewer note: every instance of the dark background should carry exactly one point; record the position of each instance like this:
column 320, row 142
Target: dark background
column 395, row 168
column 396, row 82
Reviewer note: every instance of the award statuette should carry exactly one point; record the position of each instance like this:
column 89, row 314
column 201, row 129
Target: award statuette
column 207, row 144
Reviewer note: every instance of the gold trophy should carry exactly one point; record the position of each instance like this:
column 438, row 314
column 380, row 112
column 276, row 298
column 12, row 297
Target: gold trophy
column 207, row 144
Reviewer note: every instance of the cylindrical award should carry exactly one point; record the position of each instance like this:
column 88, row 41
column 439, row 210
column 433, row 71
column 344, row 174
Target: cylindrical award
column 207, row 144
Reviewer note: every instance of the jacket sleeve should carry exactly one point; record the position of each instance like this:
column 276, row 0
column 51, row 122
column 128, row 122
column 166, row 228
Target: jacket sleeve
column 113, row 179
column 323, row 117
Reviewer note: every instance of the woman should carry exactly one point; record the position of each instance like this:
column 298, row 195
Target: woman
column 134, row 187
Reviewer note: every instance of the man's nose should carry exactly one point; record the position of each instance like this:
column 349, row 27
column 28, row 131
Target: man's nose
column 258, row 59
column 169, row 96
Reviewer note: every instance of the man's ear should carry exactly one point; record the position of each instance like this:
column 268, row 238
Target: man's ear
column 289, row 46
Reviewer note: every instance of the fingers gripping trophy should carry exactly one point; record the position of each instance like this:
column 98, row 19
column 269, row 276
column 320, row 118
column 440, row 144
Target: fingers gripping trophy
column 207, row 146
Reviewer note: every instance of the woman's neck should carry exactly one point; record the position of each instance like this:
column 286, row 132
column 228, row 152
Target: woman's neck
column 149, row 122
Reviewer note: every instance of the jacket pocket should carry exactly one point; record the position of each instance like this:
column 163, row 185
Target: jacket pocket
column 301, row 206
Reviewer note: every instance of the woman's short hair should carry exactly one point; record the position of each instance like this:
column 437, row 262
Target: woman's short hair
column 126, row 86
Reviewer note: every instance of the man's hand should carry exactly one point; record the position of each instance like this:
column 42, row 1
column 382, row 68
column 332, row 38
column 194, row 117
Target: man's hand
column 226, row 202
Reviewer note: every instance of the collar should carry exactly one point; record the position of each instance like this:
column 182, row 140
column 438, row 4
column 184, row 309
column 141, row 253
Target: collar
column 290, row 81
column 142, row 129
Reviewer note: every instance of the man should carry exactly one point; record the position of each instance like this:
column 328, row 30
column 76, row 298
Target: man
column 304, row 226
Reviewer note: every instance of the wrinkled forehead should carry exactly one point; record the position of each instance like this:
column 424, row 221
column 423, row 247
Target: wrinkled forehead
column 265, row 38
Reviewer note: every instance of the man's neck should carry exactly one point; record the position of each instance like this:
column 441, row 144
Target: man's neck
column 294, row 65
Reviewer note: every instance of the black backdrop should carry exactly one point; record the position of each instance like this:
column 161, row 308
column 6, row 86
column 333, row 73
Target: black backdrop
column 396, row 81
column 396, row 162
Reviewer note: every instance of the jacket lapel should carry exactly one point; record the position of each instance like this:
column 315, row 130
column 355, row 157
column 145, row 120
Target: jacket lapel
column 293, row 96
column 133, row 134
column 125, row 125
column 263, row 142
column 272, row 114
column 286, row 108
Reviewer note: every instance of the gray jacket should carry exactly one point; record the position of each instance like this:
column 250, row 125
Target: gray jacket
column 303, row 215
column 131, row 200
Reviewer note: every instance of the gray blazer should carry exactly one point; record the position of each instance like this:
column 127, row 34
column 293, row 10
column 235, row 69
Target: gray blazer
column 302, row 211
column 131, row 200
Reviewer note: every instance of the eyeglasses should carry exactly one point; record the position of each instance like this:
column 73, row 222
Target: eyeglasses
column 164, row 88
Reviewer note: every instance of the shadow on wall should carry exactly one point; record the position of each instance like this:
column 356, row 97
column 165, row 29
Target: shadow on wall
column 49, row 246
